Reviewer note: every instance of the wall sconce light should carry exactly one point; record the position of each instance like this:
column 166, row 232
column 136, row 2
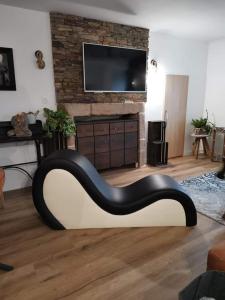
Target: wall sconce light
column 154, row 63
column 40, row 62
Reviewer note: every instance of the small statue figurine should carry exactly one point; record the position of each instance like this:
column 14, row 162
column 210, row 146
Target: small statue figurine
column 40, row 62
column 20, row 126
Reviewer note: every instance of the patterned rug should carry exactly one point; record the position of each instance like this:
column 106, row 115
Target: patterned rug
column 208, row 194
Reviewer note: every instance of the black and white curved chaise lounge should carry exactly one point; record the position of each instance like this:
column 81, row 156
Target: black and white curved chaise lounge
column 69, row 193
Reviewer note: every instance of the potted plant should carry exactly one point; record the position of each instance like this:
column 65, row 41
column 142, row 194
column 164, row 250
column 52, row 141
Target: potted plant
column 202, row 125
column 58, row 126
column 58, row 121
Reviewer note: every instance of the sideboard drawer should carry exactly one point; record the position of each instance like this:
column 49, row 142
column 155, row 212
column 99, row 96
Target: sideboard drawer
column 131, row 140
column 101, row 129
column 116, row 127
column 102, row 161
column 131, row 156
column 117, row 141
column 85, row 145
column 131, row 126
column 117, row 158
column 84, row 130
column 101, row 143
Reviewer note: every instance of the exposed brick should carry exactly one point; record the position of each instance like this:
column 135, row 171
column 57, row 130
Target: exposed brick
column 68, row 34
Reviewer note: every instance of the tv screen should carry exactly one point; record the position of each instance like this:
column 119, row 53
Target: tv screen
column 113, row 69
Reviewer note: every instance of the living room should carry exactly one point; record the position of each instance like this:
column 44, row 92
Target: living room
column 51, row 72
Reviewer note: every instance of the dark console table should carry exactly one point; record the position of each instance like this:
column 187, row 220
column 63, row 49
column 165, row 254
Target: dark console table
column 37, row 137
column 57, row 142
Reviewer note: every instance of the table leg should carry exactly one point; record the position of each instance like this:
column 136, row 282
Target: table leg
column 207, row 147
column 213, row 144
column 2, row 202
column 2, row 182
column 194, row 146
column 38, row 150
column 204, row 146
column 224, row 145
column 198, row 144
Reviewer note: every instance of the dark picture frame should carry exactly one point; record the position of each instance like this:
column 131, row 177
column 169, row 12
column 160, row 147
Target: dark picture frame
column 7, row 72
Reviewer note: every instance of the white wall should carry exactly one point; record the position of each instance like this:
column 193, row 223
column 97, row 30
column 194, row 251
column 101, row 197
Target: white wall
column 215, row 83
column 25, row 31
column 180, row 57
column 29, row 30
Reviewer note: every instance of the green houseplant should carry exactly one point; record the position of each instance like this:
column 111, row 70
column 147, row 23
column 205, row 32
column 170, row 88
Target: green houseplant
column 58, row 127
column 58, row 121
column 202, row 125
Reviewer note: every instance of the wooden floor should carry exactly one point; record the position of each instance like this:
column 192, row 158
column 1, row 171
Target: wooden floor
column 144, row 263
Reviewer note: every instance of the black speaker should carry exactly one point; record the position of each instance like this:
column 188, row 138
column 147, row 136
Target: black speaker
column 157, row 150
column 157, row 153
column 156, row 131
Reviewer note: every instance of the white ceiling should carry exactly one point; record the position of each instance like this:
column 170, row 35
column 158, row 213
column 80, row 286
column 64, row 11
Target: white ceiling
column 196, row 19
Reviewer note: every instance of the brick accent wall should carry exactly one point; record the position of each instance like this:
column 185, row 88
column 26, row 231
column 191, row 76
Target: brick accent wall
column 68, row 34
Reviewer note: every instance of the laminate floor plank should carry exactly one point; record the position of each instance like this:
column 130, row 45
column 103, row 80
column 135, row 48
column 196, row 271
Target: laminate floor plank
column 103, row 264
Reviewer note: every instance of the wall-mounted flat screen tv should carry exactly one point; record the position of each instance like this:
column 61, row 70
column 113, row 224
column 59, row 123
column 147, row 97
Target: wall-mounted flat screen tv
column 113, row 69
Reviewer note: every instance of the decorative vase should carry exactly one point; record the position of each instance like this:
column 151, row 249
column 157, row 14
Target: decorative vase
column 31, row 118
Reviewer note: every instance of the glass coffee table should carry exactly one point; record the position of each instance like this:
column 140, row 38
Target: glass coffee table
column 208, row 286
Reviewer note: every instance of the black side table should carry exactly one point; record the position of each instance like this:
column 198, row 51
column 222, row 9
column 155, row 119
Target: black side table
column 210, row 285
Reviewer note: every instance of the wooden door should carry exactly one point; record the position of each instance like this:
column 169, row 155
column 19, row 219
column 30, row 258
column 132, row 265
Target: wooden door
column 175, row 113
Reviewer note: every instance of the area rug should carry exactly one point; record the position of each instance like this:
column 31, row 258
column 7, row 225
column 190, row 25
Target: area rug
column 208, row 194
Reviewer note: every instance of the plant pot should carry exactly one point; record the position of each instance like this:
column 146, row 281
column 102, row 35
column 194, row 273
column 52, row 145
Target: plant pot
column 54, row 143
column 199, row 131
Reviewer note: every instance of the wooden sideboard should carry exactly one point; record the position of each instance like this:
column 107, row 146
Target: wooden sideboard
column 108, row 143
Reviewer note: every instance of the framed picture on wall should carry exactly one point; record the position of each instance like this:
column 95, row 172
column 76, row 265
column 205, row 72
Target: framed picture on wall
column 7, row 74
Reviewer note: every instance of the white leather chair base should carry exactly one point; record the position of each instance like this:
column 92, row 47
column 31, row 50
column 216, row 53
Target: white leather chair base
column 71, row 205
